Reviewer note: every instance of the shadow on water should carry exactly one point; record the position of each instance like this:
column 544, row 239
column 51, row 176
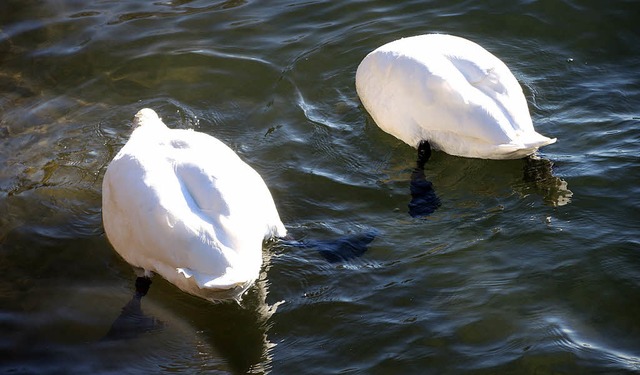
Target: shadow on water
column 339, row 250
column 227, row 337
column 132, row 321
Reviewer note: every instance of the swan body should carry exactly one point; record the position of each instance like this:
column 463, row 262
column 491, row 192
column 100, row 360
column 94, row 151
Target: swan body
column 182, row 204
column 450, row 92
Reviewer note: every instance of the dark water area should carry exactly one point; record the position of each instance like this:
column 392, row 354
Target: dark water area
column 524, row 267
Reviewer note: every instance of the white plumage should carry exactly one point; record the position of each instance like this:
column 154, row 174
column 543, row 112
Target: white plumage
column 450, row 92
column 182, row 204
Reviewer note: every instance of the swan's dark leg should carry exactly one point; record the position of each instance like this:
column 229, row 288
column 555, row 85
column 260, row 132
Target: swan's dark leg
column 424, row 154
column 424, row 200
column 142, row 286
column 132, row 321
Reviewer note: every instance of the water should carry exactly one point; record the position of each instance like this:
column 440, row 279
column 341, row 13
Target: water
column 525, row 268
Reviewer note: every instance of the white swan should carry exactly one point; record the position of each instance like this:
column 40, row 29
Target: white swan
column 182, row 204
column 450, row 92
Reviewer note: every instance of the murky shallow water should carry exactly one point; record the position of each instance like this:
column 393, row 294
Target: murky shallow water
column 523, row 269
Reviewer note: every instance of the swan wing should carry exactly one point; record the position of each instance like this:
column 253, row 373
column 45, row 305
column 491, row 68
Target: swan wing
column 218, row 184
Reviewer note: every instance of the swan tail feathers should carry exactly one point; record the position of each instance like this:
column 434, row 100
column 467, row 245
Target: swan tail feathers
column 517, row 150
column 538, row 140
column 229, row 280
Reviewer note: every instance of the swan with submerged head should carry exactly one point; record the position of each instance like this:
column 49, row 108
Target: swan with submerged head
column 450, row 92
column 182, row 204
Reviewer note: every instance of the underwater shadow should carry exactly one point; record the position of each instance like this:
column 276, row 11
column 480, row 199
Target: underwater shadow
column 132, row 321
column 341, row 249
column 235, row 330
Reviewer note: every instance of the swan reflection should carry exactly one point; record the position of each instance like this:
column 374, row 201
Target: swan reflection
column 538, row 173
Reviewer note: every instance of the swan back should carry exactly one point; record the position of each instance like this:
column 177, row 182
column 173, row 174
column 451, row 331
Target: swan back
column 183, row 204
column 451, row 92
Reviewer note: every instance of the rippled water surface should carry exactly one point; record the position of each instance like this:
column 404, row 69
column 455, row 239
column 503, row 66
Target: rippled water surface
column 526, row 267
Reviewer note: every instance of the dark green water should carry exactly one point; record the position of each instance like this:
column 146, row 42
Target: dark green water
column 523, row 269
